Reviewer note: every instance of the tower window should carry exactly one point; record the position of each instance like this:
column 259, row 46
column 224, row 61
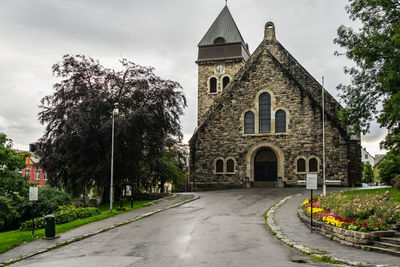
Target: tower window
column 301, row 165
column 265, row 113
column 313, row 165
column 219, row 166
column 280, row 121
column 249, row 122
column 225, row 81
column 219, row 40
column 230, row 165
column 213, row 85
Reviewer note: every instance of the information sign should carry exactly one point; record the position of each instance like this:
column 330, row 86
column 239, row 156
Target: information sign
column 33, row 193
column 312, row 181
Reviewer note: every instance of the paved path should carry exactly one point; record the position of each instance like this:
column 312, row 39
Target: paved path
column 294, row 229
column 222, row 228
column 42, row 244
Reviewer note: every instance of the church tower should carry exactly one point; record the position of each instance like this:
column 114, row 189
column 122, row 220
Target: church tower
column 222, row 52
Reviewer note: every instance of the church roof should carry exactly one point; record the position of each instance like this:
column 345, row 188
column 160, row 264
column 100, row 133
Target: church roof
column 224, row 26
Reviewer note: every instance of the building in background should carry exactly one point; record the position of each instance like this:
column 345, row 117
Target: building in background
column 367, row 157
column 33, row 169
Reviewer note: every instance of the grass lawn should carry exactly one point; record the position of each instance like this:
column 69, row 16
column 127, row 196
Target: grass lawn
column 393, row 192
column 11, row 239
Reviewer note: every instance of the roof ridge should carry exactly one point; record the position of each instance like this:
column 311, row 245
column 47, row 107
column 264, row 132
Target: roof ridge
column 223, row 26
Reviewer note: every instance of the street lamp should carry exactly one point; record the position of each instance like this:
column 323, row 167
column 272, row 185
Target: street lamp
column 115, row 112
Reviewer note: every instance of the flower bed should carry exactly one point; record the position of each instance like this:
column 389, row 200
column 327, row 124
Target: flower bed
column 360, row 210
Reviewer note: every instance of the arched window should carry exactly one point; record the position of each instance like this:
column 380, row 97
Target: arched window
column 301, row 165
column 313, row 165
column 219, row 166
column 219, row 40
column 213, row 85
column 280, row 121
column 249, row 122
column 225, row 81
column 265, row 113
column 230, row 165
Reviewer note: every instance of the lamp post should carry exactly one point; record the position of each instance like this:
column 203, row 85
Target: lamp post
column 114, row 113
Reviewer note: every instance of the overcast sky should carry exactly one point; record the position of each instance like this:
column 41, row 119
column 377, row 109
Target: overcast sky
column 159, row 33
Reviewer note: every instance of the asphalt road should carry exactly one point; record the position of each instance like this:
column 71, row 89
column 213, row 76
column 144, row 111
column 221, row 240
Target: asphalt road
column 222, row 228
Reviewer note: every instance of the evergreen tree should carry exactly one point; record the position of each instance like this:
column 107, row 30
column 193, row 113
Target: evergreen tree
column 368, row 174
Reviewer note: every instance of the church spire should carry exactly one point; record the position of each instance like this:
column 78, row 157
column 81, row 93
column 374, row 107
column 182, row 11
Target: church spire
column 221, row 38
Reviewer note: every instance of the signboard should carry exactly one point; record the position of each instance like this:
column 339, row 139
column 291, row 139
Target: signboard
column 128, row 190
column 312, row 181
column 33, row 193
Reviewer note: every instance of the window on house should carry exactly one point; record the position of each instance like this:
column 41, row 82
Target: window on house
column 45, row 176
column 213, row 85
column 301, row 165
column 37, row 175
column 280, row 121
column 27, row 172
column 219, row 166
column 225, row 81
column 313, row 165
column 249, row 122
column 265, row 113
column 230, row 165
column 366, row 156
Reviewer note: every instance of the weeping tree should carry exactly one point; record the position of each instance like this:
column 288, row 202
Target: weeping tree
column 76, row 145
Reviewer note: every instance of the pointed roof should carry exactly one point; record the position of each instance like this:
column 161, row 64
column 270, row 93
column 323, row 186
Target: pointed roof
column 223, row 26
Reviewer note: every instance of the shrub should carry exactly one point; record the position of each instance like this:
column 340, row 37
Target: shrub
column 8, row 213
column 63, row 215
column 389, row 167
column 50, row 199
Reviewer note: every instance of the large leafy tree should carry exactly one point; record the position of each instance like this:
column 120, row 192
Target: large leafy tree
column 13, row 187
column 374, row 92
column 76, row 145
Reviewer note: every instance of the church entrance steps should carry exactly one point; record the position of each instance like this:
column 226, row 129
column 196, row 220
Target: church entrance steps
column 264, row 184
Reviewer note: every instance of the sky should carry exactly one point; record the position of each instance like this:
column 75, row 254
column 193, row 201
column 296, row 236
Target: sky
column 159, row 33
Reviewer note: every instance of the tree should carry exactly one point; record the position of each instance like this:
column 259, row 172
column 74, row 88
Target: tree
column 368, row 175
column 389, row 167
column 13, row 187
column 375, row 49
column 76, row 145
column 170, row 170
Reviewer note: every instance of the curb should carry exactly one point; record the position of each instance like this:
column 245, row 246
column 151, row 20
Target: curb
column 78, row 238
column 316, row 253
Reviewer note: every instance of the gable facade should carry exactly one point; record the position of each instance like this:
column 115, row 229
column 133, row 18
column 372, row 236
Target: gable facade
column 266, row 124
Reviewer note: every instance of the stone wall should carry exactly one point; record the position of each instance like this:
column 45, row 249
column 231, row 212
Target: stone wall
column 205, row 71
column 344, row 236
column 222, row 134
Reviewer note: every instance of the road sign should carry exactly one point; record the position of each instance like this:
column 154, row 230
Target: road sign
column 33, row 193
column 312, row 181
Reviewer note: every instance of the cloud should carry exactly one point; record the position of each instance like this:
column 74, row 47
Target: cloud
column 162, row 34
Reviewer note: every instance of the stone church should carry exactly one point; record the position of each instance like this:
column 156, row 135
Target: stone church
column 260, row 117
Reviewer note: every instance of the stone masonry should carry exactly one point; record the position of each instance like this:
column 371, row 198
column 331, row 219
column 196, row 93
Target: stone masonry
column 220, row 132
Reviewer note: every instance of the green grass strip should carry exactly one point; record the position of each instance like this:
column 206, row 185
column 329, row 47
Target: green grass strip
column 11, row 239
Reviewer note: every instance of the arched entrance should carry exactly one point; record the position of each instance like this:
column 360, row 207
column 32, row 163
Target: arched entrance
column 265, row 165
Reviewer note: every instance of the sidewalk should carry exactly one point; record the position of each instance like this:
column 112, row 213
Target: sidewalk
column 289, row 224
column 41, row 245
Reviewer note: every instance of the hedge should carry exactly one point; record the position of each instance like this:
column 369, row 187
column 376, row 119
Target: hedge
column 64, row 215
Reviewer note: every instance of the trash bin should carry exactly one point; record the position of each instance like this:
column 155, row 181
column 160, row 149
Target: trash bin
column 50, row 226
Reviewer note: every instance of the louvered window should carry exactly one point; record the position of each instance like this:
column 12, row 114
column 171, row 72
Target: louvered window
column 265, row 113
